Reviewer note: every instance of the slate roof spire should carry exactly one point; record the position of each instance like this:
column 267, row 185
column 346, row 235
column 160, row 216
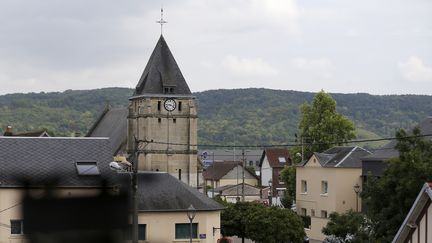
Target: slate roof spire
column 162, row 74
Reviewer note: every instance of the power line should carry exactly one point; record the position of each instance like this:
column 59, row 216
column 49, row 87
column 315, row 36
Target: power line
column 3, row 210
column 288, row 144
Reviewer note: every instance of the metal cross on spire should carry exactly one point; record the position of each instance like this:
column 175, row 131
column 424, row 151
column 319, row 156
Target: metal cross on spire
column 161, row 21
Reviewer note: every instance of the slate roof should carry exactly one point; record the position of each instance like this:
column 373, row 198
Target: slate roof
column 159, row 191
column 112, row 123
column 273, row 155
column 219, row 169
column 341, row 157
column 161, row 71
column 41, row 158
column 388, row 151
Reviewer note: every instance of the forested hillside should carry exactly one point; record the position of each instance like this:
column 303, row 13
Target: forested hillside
column 246, row 116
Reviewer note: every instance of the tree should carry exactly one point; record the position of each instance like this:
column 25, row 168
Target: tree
column 274, row 225
column 322, row 126
column 389, row 198
column 288, row 176
column 347, row 227
column 261, row 224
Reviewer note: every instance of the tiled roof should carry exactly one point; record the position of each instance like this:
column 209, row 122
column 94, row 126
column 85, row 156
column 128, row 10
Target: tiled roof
column 42, row 158
column 111, row 124
column 160, row 191
column 161, row 71
column 273, row 155
column 219, row 169
column 341, row 156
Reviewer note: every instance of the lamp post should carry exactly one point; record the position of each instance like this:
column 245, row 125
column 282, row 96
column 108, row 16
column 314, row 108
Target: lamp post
column 270, row 193
column 191, row 215
column 357, row 190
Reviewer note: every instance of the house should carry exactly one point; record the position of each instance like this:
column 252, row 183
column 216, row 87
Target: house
column 251, row 157
column 373, row 165
column 272, row 162
column 231, row 193
column 80, row 165
column 41, row 133
column 328, row 182
column 417, row 226
column 228, row 173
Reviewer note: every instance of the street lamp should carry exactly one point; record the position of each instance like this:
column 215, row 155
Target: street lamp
column 191, row 215
column 357, row 190
column 270, row 193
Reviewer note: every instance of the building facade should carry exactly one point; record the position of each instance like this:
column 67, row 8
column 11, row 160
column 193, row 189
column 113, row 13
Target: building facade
column 328, row 182
column 163, row 113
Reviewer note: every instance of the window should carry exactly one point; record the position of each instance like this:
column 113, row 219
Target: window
column 179, row 171
column 304, row 186
column 303, row 212
column 282, row 160
column 182, row 231
column 17, row 227
column 250, row 163
column 323, row 214
column 159, row 120
column 87, row 168
column 179, row 106
column 166, row 90
column 280, row 179
column 142, row 234
column 159, row 105
column 324, row 187
column 174, row 120
column 313, row 212
column 171, row 90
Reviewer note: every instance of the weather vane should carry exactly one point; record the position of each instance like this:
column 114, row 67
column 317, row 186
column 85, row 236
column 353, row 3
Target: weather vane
column 161, row 21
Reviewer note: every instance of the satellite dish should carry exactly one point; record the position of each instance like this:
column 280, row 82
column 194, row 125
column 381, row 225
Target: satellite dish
column 115, row 166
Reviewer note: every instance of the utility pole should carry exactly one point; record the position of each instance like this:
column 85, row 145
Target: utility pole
column 243, row 175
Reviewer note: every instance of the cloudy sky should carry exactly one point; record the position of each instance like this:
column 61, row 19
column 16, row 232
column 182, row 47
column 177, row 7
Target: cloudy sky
column 378, row 47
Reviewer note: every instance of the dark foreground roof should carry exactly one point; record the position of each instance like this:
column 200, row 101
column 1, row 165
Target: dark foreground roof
column 160, row 191
column 161, row 71
column 111, row 124
column 40, row 159
column 341, row 156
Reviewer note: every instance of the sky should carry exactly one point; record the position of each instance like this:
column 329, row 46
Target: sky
column 340, row 46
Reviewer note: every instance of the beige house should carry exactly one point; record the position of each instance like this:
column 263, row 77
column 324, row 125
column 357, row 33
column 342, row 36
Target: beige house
column 327, row 183
column 80, row 165
column 228, row 173
column 417, row 227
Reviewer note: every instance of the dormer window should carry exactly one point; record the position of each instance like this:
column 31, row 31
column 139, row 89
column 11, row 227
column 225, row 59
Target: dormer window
column 282, row 160
column 87, row 168
column 168, row 90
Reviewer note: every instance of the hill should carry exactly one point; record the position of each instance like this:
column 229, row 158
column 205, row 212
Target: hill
column 246, row 116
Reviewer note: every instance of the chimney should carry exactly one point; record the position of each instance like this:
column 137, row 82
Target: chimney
column 8, row 131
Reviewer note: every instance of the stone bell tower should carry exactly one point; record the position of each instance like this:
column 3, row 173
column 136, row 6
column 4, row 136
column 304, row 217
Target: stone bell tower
column 164, row 110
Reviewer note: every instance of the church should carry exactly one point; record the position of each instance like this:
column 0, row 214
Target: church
column 162, row 111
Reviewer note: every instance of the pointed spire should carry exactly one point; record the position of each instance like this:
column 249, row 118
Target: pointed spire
column 162, row 74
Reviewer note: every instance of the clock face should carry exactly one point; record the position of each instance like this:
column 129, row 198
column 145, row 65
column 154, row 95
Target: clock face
column 170, row 104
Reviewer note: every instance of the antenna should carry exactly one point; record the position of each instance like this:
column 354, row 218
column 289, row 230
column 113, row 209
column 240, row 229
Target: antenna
column 161, row 21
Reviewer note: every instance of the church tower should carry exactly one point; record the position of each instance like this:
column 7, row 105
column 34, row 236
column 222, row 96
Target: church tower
column 164, row 110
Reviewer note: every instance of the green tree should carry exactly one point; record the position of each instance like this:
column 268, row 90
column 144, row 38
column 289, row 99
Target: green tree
column 261, row 224
column 274, row 225
column 348, row 227
column 288, row 176
column 322, row 126
column 389, row 198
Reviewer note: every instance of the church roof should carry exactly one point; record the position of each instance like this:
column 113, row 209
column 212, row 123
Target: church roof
column 112, row 123
column 162, row 71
